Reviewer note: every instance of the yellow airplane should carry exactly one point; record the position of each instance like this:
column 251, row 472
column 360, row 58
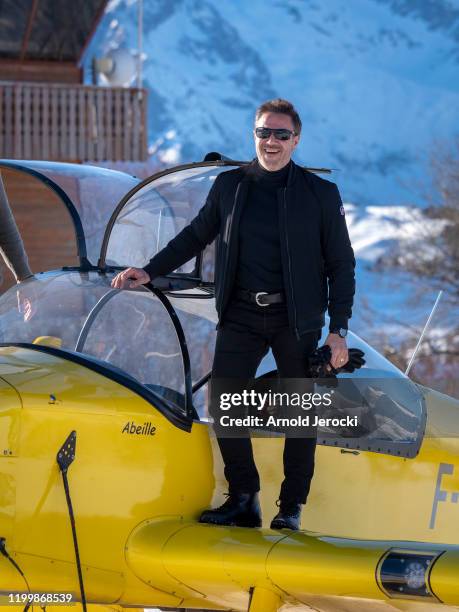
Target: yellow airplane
column 107, row 457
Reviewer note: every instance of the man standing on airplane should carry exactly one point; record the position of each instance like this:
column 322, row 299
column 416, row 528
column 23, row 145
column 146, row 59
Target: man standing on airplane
column 283, row 256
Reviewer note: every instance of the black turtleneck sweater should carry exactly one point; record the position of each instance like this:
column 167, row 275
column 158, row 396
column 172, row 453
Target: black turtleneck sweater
column 259, row 265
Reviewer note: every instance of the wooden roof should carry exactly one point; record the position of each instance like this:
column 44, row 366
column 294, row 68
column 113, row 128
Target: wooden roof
column 52, row 30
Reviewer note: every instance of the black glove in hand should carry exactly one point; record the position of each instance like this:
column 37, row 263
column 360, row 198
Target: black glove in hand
column 318, row 361
column 354, row 362
column 321, row 357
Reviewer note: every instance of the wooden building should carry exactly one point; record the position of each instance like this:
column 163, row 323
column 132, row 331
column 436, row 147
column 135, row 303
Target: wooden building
column 45, row 110
column 47, row 113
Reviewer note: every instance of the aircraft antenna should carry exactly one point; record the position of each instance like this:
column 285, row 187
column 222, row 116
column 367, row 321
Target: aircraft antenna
column 410, row 363
column 65, row 457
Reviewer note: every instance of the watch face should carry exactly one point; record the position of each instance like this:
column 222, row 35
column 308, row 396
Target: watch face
column 342, row 332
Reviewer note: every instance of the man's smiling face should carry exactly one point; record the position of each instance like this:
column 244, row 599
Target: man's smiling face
column 274, row 154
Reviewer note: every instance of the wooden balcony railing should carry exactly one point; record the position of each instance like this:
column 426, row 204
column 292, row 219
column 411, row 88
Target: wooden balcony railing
column 72, row 122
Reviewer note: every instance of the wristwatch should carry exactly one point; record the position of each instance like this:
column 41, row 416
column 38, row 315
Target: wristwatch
column 341, row 331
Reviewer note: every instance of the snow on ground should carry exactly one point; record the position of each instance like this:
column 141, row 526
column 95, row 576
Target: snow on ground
column 390, row 300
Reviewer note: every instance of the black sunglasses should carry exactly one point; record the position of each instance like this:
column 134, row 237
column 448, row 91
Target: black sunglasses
column 278, row 133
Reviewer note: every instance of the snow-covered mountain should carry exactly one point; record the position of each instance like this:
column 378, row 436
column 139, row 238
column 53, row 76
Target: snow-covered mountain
column 376, row 81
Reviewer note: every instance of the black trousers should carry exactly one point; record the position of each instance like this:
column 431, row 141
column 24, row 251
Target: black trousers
column 244, row 338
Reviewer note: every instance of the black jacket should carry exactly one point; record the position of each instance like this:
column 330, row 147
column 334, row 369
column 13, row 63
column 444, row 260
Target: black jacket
column 317, row 257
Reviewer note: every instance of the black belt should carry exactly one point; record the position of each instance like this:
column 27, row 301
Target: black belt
column 261, row 298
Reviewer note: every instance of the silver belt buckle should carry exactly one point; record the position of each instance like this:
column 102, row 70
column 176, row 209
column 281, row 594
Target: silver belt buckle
column 257, row 296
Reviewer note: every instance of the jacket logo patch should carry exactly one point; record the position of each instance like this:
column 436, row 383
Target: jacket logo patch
column 341, row 210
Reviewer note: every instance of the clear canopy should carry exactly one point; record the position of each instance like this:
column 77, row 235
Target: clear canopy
column 80, row 312
column 157, row 212
column 94, row 193
column 134, row 332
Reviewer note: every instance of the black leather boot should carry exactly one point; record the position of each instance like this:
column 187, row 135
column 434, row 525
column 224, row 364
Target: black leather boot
column 288, row 517
column 240, row 509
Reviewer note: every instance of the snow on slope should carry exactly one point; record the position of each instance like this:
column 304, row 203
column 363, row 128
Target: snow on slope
column 391, row 301
column 376, row 81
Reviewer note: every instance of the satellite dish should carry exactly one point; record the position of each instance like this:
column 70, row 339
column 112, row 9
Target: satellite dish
column 118, row 68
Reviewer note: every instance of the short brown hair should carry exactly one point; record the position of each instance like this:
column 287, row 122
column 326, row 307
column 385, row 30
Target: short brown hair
column 283, row 107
